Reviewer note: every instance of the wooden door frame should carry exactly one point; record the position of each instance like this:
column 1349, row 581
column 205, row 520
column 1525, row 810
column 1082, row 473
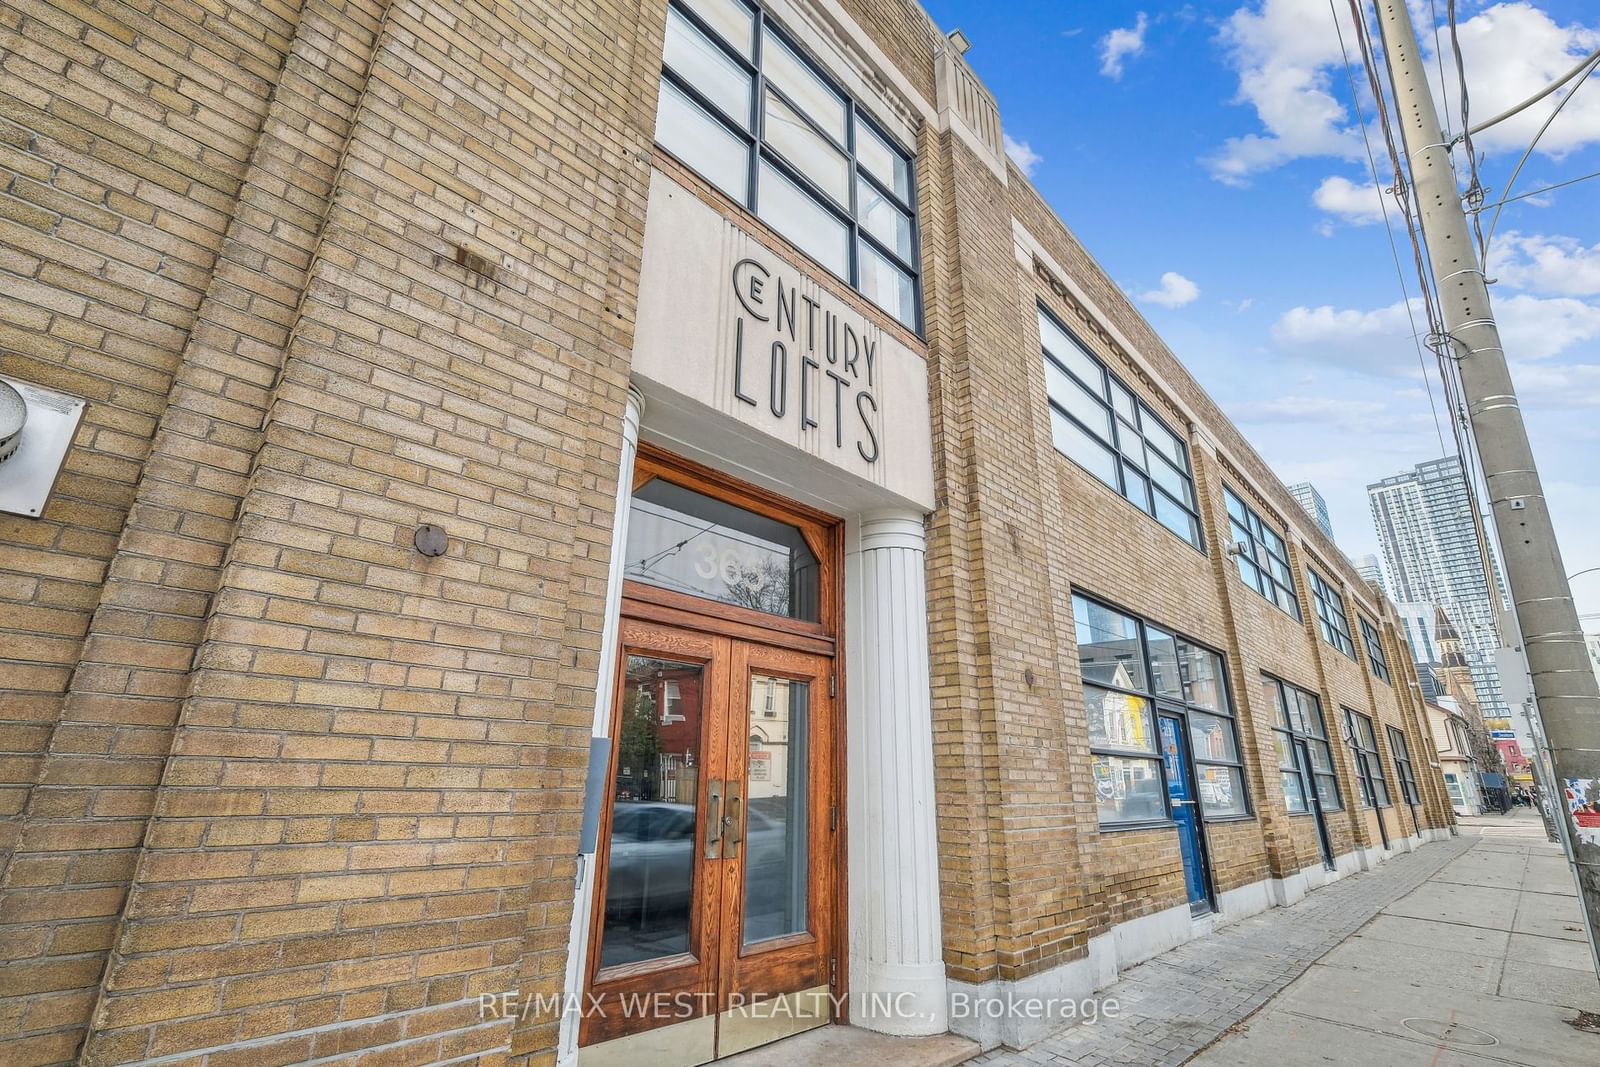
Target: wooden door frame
column 824, row 535
column 711, row 713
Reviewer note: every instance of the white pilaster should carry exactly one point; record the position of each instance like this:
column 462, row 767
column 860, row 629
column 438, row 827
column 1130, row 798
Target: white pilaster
column 583, row 896
column 897, row 976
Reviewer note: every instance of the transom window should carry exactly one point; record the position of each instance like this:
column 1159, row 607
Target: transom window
column 1098, row 423
column 1369, row 767
column 1128, row 665
column 1403, row 768
column 1263, row 558
column 1299, row 719
column 683, row 540
column 1332, row 622
column 1375, row 657
column 742, row 106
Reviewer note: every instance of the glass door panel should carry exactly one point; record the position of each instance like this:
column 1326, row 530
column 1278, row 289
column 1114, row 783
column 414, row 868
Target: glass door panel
column 777, row 774
column 654, row 803
column 778, row 901
column 658, row 900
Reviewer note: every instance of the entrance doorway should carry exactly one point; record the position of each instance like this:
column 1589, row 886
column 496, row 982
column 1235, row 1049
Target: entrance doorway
column 717, row 901
column 1185, row 811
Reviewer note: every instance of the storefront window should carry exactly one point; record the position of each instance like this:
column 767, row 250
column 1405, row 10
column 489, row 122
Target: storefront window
column 747, row 111
column 1403, row 767
column 1299, row 718
column 691, row 543
column 1127, row 666
column 1369, row 766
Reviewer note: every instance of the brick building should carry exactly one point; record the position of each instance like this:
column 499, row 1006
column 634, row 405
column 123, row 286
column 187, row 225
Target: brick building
column 948, row 638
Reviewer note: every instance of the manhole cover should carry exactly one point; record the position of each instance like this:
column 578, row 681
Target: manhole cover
column 1450, row 1033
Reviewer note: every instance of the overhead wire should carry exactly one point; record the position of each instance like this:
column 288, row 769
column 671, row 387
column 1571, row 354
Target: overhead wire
column 1483, row 253
column 1536, row 97
column 1545, row 189
column 1388, row 229
column 1439, row 339
column 1475, row 194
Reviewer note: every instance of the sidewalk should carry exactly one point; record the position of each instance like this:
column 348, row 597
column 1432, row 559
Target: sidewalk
column 1467, row 952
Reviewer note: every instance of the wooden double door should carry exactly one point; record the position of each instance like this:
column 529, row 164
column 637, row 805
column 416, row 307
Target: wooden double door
column 714, row 924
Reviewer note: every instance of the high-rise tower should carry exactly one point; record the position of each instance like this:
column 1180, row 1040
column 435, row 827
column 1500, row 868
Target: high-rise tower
column 1424, row 523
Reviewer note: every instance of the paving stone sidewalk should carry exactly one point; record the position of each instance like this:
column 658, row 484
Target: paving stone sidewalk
column 1175, row 1005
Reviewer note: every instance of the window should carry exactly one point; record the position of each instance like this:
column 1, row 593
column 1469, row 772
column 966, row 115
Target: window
column 752, row 116
column 1127, row 666
column 1369, row 766
column 685, row 541
column 1403, row 768
column 1375, row 657
column 1099, row 424
column 1452, row 786
column 1262, row 556
column 1332, row 622
column 1300, row 729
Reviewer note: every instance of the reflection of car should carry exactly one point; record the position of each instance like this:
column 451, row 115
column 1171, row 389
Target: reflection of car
column 650, row 875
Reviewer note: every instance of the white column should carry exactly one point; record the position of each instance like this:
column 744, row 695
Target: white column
column 897, row 973
column 583, row 897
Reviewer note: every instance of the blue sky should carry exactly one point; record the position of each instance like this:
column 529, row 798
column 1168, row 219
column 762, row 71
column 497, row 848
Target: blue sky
column 1209, row 156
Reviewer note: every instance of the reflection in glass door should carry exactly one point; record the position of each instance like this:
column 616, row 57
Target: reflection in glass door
column 715, row 891
column 650, row 883
column 775, row 868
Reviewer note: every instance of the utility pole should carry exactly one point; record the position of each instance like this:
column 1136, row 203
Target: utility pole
column 1563, row 683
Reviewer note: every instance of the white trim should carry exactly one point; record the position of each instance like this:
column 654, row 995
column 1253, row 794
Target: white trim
column 611, row 628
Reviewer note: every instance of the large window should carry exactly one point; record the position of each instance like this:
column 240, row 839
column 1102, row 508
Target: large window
column 744, row 108
column 1403, row 767
column 1375, row 657
column 1300, row 728
column 1369, row 766
column 1262, row 556
column 1332, row 622
column 1128, row 666
column 1098, row 422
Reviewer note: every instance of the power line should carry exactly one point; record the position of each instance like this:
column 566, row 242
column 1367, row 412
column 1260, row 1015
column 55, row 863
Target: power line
column 1536, row 97
column 1483, row 254
column 1545, row 189
column 1388, row 229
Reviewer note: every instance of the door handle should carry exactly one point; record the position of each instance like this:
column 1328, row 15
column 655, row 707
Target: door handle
column 733, row 823
column 714, row 819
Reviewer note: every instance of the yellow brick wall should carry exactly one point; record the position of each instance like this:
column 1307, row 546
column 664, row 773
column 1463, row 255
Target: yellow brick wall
column 270, row 776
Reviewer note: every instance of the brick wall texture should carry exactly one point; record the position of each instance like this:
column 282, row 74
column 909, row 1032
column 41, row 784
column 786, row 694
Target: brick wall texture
column 273, row 786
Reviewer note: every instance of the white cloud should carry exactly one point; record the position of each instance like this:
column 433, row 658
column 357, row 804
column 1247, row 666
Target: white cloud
column 1356, row 204
column 1121, row 44
column 1291, row 71
column 1536, row 328
column 1546, row 264
column 1378, row 341
column 1022, row 154
column 1511, row 51
column 1284, row 53
column 1175, row 291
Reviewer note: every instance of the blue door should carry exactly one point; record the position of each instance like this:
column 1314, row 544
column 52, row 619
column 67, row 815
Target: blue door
column 1185, row 812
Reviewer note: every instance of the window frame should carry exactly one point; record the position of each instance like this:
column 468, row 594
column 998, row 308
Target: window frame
column 1404, row 770
column 1368, row 762
column 1307, row 775
column 759, row 151
column 1104, row 394
column 1254, row 527
column 1377, row 660
column 1183, row 707
column 1324, row 600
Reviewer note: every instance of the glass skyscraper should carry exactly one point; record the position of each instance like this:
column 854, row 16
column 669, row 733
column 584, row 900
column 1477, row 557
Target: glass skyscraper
column 1430, row 549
